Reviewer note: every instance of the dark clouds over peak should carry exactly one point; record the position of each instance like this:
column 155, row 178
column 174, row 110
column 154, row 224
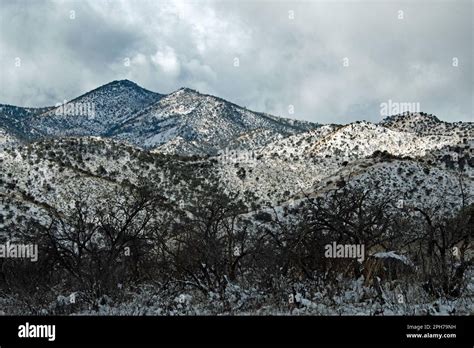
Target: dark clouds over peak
column 265, row 55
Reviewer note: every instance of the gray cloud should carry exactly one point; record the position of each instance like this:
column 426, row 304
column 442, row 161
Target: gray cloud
column 281, row 61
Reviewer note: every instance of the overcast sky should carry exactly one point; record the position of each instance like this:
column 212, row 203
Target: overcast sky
column 332, row 61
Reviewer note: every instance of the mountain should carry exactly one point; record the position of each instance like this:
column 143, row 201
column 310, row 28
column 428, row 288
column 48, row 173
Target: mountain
column 300, row 163
column 273, row 157
column 276, row 171
column 200, row 123
column 184, row 122
column 95, row 112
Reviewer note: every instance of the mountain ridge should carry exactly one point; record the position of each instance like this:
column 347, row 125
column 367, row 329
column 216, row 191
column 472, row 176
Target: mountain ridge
column 122, row 109
column 184, row 122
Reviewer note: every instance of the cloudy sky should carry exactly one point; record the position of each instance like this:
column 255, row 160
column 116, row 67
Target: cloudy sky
column 329, row 61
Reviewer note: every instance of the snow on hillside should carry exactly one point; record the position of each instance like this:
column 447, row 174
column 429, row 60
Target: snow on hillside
column 6, row 138
column 207, row 122
column 422, row 123
column 361, row 139
column 95, row 112
column 56, row 172
column 285, row 167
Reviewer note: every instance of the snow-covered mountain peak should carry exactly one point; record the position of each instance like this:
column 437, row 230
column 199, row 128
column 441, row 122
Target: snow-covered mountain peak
column 95, row 112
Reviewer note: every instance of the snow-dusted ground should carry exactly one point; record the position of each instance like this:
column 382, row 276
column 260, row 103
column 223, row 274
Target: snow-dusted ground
column 348, row 297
